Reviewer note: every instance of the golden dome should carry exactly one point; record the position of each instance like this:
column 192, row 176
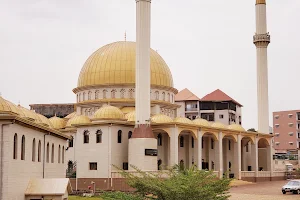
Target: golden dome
column 183, row 120
column 218, row 125
column 126, row 110
column 6, row 106
column 44, row 120
column 236, row 127
column 57, row 123
column 114, row 64
column 160, row 118
column 80, row 119
column 130, row 116
column 109, row 112
column 201, row 122
column 71, row 115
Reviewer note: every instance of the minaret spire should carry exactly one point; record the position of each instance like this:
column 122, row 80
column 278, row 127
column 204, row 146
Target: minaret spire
column 261, row 39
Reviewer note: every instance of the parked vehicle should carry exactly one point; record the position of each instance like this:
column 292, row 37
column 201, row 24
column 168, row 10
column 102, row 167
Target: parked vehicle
column 292, row 186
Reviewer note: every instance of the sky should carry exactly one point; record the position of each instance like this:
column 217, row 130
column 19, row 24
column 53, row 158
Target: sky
column 206, row 44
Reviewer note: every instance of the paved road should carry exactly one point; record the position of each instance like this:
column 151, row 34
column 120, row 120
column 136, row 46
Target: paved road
column 261, row 191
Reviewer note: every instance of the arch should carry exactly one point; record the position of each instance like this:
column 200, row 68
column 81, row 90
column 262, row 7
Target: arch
column 104, row 94
column 163, row 96
column 48, row 152
column 15, row 155
column 160, row 130
column 156, row 95
column 122, row 93
column 263, row 143
column 168, row 97
column 52, row 153
column 63, row 155
column 119, row 136
column 250, row 138
column 129, row 134
column 97, row 94
column 86, row 137
column 113, row 94
column 233, row 137
column 23, row 148
column 193, row 132
column 99, row 136
column 89, row 95
column 181, row 141
column 213, row 135
column 59, row 154
column 83, row 96
column 39, row 151
column 33, row 150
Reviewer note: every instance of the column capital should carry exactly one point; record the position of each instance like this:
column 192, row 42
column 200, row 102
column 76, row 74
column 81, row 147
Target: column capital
column 260, row 2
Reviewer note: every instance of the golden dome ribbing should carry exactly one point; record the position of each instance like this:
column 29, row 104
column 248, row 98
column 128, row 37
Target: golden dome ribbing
column 183, row 120
column 58, row 123
column 160, row 118
column 236, row 127
column 130, row 116
column 218, row 125
column 80, row 119
column 201, row 122
column 114, row 64
column 109, row 112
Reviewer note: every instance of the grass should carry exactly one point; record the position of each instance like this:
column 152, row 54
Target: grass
column 84, row 198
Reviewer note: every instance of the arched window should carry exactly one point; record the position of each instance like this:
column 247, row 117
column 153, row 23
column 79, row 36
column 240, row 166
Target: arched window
column 131, row 94
column 156, row 95
column 99, row 136
column 193, row 142
column 23, row 148
column 86, row 112
column 129, row 134
column 83, row 96
column 71, row 142
column 52, row 154
column 48, row 152
column 89, row 95
column 212, row 143
column 119, row 136
column 181, row 165
column 159, row 162
column 15, row 156
column 122, row 93
column 63, row 155
column 97, row 94
column 159, row 139
column 79, row 98
column 33, row 150
column 104, row 94
column 181, row 141
column 39, row 151
column 163, row 96
column 168, row 98
column 113, row 94
column 172, row 98
column 86, row 137
column 59, row 154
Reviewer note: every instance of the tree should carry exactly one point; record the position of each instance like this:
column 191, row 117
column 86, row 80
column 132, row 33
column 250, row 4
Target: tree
column 177, row 184
column 252, row 130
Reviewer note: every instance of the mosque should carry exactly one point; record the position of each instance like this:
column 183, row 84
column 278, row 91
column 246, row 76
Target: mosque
column 126, row 115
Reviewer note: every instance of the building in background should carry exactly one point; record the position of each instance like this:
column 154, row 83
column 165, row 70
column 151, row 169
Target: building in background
column 51, row 110
column 286, row 129
column 215, row 107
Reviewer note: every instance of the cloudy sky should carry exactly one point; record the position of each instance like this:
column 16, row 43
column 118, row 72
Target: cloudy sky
column 207, row 45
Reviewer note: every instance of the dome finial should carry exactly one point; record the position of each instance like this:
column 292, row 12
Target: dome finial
column 125, row 36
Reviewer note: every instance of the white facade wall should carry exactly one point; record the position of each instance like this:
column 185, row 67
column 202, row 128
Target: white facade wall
column 17, row 172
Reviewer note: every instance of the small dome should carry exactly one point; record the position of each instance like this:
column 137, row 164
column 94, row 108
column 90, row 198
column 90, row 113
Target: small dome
column 44, row 120
column 58, row 123
column 37, row 118
column 201, row 122
column 6, row 106
column 126, row 110
column 183, row 120
column 71, row 115
column 160, row 118
column 80, row 119
column 236, row 127
column 109, row 112
column 130, row 116
column 218, row 125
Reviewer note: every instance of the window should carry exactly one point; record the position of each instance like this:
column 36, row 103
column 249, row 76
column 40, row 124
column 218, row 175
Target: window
column 63, row 155
column 290, row 115
column 23, row 148
column 156, row 95
column 172, row 98
column 83, row 96
column 202, row 141
column 99, row 136
column 276, row 116
column 131, row 93
column 229, row 145
column 93, row 166
column 71, row 142
column 247, row 147
column 129, row 134
column 104, row 94
column 86, row 137
column 276, row 125
column 290, row 124
column 159, row 140
column 89, row 95
column 163, row 96
column 125, row 166
column 168, row 99
column 193, row 142
column 15, row 156
column 59, row 154
column 221, row 116
column 113, row 94
column 181, row 141
column 48, row 149
column 212, row 143
column 33, row 150
column 277, row 143
column 122, row 93
column 119, row 136
column 291, row 143
column 291, row 134
column 39, row 151
column 97, row 94
column 52, row 154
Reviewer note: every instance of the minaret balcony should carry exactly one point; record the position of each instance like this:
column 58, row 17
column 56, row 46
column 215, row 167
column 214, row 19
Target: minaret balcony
column 262, row 38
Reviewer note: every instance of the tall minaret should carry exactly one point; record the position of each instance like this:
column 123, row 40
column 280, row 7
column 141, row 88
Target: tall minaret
column 261, row 39
column 142, row 151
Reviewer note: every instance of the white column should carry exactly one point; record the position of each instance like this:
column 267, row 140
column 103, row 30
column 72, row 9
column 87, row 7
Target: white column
column 219, row 153
column 254, row 157
column 200, row 134
column 237, row 165
column 142, row 101
column 174, row 147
